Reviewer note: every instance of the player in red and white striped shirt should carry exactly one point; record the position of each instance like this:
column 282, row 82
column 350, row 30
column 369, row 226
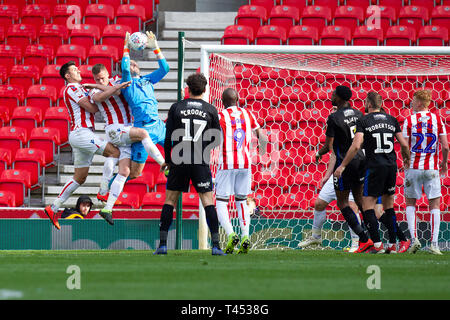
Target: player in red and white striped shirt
column 84, row 142
column 120, row 132
column 234, row 173
column 426, row 133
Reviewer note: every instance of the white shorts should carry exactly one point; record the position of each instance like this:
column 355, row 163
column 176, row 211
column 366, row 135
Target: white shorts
column 416, row 178
column 85, row 143
column 328, row 194
column 119, row 135
column 233, row 182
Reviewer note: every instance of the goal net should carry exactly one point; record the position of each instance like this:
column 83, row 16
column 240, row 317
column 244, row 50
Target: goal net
column 288, row 88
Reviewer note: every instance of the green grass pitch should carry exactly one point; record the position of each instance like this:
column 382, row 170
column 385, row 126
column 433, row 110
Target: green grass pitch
column 196, row 275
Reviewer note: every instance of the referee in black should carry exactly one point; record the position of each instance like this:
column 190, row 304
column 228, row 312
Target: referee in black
column 192, row 131
column 341, row 128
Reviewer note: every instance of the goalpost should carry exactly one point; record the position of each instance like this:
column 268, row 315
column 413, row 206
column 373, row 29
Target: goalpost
column 289, row 89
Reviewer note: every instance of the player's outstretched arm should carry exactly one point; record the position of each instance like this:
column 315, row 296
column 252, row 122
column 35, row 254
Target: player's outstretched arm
column 125, row 64
column 325, row 149
column 106, row 91
column 356, row 145
column 163, row 69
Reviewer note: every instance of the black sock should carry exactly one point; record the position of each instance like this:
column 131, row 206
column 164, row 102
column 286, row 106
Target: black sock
column 164, row 223
column 388, row 222
column 371, row 221
column 353, row 223
column 213, row 224
column 398, row 232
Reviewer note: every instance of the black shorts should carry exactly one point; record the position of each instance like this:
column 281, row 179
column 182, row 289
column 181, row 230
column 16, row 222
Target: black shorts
column 352, row 177
column 180, row 177
column 379, row 181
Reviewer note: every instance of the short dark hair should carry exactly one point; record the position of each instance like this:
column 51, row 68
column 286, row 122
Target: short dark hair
column 65, row 68
column 97, row 68
column 374, row 99
column 196, row 83
column 230, row 97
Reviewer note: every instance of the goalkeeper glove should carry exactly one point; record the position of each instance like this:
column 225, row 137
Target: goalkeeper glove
column 152, row 43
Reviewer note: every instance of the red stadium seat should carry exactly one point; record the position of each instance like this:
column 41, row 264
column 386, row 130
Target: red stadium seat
column 316, row 16
column 114, row 35
column 39, row 55
column 304, row 183
column 428, row 4
column 400, row 36
column 70, row 52
column 270, row 35
column 99, row 15
column 5, row 159
column 107, row 55
column 150, row 7
column 396, row 4
column 440, row 16
column 9, row 14
column 131, row 15
column 321, row 98
column 25, row 76
column 85, row 35
column 11, row 96
column 62, row 12
column 281, row 119
column 367, row 36
column 237, row 34
column 128, row 200
column 291, row 202
column 81, row 3
column 190, row 201
column 19, row 3
column 303, row 35
column 10, row 55
column 414, row 17
column 18, row 182
column 284, row 16
column 42, row 96
column 48, row 140
column 432, row 36
column 332, row 4
column 267, row 4
column 384, row 15
column 3, row 74
column 33, row 161
column 160, row 182
column 2, row 34
column 154, row 200
column 335, row 36
column 36, row 15
column 358, row 3
column 50, row 77
column 7, row 199
column 299, row 4
column 349, row 16
column 27, row 118
column 58, row 118
column 13, row 138
column 252, row 16
column 21, row 35
column 141, row 185
column 53, row 35
column 269, row 183
column 86, row 73
column 293, row 98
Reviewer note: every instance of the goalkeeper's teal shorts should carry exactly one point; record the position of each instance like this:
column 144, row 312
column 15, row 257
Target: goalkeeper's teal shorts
column 157, row 132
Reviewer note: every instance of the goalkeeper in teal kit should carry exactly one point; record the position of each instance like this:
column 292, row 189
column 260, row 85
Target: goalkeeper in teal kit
column 142, row 101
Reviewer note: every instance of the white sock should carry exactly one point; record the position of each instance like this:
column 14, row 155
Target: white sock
column 152, row 150
column 318, row 221
column 108, row 171
column 66, row 192
column 224, row 216
column 116, row 189
column 411, row 218
column 244, row 217
column 435, row 223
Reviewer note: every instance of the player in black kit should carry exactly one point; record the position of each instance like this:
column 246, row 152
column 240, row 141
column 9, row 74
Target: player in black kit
column 341, row 128
column 375, row 132
column 192, row 131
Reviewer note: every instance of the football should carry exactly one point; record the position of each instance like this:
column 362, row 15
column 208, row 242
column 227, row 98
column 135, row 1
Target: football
column 138, row 41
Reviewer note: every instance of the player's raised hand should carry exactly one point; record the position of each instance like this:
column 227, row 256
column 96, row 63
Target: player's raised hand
column 151, row 43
